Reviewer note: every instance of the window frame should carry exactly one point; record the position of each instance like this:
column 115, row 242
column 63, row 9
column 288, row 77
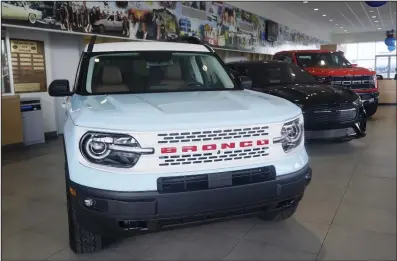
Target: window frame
column 6, row 37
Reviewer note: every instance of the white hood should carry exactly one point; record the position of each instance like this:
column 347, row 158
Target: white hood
column 180, row 110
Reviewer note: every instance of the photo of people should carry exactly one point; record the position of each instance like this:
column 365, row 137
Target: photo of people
column 216, row 23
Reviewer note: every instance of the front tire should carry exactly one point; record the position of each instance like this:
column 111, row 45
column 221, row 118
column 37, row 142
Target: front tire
column 80, row 240
column 280, row 215
column 101, row 29
column 32, row 19
column 371, row 110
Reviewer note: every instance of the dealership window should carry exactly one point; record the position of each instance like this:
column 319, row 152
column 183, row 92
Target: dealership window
column 5, row 68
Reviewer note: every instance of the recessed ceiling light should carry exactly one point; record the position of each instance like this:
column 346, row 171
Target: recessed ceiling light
column 315, row 9
column 336, row 24
column 376, row 21
column 371, row 11
column 374, row 16
column 345, row 30
column 379, row 28
column 341, row 27
column 324, row 15
column 330, row 20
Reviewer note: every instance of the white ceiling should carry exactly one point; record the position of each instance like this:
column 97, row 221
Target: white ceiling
column 354, row 17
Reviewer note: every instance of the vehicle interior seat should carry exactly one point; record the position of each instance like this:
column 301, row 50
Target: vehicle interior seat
column 173, row 77
column 112, row 81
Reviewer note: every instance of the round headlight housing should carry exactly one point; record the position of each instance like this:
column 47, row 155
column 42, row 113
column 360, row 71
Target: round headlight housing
column 291, row 135
column 114, row 150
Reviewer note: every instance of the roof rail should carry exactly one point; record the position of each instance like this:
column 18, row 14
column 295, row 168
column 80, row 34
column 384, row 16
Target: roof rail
column 91, row 44
column 191, row 40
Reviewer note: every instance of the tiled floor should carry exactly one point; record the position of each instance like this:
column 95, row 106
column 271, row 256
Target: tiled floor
column 348, row 211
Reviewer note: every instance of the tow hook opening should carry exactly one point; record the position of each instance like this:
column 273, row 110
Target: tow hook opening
column 137, row 225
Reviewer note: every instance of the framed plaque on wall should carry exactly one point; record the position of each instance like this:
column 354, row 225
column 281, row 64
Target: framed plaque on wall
column 28, row 66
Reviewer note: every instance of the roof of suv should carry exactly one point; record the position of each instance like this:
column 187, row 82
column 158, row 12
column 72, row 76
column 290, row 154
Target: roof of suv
column 306, row 51
column 257, row 62
column 147, row 46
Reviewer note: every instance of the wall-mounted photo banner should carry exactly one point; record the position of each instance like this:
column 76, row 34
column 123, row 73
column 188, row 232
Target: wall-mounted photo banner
column 217, row 23
column 28, row 66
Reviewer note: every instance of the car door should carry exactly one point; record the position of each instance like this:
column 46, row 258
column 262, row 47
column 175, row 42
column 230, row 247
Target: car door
column 110, row 23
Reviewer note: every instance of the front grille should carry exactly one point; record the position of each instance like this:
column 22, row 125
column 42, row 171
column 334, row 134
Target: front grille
column 216, row 134
column 215, row 180
column 209, row 157
column 354, row 82
column 323, row 114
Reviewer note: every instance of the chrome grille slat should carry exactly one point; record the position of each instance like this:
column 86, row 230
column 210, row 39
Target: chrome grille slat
column 213, row 157
column 208, row 135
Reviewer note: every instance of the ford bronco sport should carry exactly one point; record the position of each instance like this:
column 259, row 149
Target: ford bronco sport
column 161, row 134
column 333, row 68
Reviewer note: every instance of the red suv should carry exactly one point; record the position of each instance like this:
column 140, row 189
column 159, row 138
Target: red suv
column 333, row 68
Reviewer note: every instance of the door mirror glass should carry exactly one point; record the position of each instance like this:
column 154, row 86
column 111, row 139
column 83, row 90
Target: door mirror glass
column 245, row 82
column 59, row 88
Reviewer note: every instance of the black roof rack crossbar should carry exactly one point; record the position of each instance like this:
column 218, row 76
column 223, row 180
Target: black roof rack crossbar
column 91, row 44
column 191, row 40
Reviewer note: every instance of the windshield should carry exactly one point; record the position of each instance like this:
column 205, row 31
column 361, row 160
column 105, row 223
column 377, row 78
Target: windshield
column 277, row 73
column 158, row 71
column 324, row 60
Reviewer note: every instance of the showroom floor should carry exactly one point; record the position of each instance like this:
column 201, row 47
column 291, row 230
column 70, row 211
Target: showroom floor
column 348, row 211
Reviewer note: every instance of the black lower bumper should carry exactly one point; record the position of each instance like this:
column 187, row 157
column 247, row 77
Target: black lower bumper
column 125, row 213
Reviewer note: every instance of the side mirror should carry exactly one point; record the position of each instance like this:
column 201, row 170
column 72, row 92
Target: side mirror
column 59, row 88
column 354, row 64
column 379, row 77
column 245, row 82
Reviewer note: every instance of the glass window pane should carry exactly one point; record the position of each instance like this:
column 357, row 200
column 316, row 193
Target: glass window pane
column 5, row 73
column 368, row 64
column 393, row 70
column 381, row 49
column 351, row 51
column 382, row 66
column 366, row 50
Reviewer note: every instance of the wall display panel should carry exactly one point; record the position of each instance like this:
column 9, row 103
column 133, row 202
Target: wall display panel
column 217, row 23
column 28, row 66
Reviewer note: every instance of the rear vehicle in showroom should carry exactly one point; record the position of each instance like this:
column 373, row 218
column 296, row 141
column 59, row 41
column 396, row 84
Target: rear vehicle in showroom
column 330, row 112
column 333, row 68
column 161, row 134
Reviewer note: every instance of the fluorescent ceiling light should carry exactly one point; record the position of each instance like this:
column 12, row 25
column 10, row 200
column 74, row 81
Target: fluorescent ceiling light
column 379, row 28
column 374, row 16
column 324, row 15
column 330, row 20
column 371, row 11
column 315, row 9
column 305, row 2
column 376, row 21
column 341, row 27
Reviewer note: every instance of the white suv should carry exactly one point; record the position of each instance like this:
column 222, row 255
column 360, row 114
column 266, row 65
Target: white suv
column 159, row 134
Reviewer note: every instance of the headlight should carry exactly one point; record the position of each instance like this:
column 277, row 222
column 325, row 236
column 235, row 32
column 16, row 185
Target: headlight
column 291, row 135
column 358, row 102
column 115, row 150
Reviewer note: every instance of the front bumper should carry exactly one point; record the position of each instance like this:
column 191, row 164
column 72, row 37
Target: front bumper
column 125, row 213
column 333, row 128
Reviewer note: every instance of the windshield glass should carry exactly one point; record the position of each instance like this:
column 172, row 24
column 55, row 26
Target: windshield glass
column 324, row 60
column 160, row 71
column 277, row 73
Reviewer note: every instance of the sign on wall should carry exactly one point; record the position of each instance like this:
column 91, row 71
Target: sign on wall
column 217, row 23
column 28, row 66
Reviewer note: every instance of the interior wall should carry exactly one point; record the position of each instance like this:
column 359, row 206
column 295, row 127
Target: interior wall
column 47, row 102
column 59, row 50
column 272, row 11
column 358, row 37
